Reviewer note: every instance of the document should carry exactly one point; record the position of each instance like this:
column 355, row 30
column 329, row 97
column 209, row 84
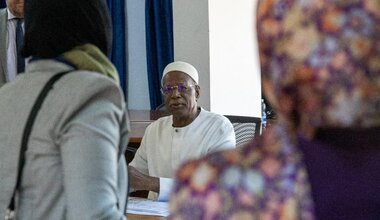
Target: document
column 144, row 206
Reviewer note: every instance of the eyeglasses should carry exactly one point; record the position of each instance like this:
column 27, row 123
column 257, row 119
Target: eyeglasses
column 168, row 90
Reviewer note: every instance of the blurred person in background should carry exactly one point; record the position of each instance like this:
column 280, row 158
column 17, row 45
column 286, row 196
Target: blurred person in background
column 320, row 71
column 11, row 40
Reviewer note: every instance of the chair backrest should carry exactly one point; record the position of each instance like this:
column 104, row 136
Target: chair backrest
column 246, row 128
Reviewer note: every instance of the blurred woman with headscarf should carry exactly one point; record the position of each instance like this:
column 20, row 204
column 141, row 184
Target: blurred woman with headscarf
column 74, row 165
column 320, row 65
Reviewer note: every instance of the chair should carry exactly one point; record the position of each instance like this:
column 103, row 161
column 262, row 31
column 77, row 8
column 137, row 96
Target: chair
column 130, row 152
column 246, row 128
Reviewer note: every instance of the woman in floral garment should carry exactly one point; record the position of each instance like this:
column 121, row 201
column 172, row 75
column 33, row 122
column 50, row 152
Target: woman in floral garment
column 320, row 64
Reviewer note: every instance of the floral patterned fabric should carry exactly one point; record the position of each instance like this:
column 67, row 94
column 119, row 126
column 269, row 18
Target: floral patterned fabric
column 320, row 61
column 248, row 183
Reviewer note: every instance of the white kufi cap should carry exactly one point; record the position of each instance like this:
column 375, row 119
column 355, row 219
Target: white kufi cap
column 182, row 67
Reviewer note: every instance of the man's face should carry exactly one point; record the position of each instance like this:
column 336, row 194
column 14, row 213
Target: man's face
column 16, row 7
column 182, row 94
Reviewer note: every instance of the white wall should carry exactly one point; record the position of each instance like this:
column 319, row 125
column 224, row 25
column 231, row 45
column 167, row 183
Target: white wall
column 234, row 74
column 191, row 42
column 217, row 36
column 138, row 92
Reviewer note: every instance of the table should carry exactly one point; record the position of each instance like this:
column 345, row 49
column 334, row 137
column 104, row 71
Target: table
column 140, row 119
column 144, row 217
column 147, row 209
column 137, row 131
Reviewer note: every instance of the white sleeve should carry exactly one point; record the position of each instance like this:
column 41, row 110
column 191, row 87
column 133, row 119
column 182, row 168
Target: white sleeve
column 166, row 185
column 89, row 144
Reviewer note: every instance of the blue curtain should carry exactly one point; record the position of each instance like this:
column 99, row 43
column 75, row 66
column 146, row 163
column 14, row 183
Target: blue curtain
column 118, row 56
column 2, row 4
column 159, row 44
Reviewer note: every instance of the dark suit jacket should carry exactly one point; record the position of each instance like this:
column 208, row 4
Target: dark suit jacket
column 3, row 46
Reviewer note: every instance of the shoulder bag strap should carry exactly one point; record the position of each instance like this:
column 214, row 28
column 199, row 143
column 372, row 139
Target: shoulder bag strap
column 25, row 137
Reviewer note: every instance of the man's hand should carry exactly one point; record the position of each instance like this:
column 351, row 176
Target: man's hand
column 140, row 181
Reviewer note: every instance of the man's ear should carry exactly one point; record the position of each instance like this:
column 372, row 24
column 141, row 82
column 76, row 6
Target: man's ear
column 197, row 92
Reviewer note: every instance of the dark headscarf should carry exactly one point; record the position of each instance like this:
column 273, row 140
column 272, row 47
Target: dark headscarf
column 56, row 26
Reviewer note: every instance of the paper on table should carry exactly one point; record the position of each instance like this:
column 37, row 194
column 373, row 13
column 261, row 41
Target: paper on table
column 143, row 206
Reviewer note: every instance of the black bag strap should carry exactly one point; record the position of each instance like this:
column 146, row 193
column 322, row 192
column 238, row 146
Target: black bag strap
column 27, row 130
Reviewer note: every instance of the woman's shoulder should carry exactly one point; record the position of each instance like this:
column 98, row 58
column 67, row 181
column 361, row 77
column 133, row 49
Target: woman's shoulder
column 89, row 77
column 87, row 85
